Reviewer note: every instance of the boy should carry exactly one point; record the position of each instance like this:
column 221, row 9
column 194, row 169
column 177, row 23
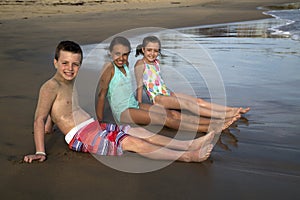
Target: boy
column 55, row 104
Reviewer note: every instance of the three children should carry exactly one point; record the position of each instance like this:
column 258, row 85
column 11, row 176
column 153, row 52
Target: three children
column 56, row 104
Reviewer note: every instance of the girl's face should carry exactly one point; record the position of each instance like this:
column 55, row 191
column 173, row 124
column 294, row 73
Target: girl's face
column 120, row 55
column 151, row 51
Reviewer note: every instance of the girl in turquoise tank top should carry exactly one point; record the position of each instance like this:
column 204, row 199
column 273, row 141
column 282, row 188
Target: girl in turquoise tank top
column 147, row 71
column 120, row 94
column 115, row 84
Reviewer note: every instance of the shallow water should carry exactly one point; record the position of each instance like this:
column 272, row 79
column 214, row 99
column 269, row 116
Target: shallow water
column 261, row 72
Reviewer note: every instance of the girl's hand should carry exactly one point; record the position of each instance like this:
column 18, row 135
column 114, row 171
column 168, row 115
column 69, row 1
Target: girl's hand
column 33, row 157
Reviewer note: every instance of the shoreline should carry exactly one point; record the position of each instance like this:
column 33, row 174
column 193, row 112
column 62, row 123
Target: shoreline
column 91, row 27
column 16, row 10
column 47, row 8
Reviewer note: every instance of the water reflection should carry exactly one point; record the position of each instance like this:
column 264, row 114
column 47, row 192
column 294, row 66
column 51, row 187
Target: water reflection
column 259, row 28
column 228, row 138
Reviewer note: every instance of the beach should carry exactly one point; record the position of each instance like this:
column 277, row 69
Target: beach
column 250, row 163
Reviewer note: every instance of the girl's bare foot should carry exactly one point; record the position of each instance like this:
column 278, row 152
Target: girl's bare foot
column 229, row 122
column 228, row 114
column 244, row 110
column 237, row 112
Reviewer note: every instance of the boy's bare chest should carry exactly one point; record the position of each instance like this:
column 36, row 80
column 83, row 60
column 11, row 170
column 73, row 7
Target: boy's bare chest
column 63, row 101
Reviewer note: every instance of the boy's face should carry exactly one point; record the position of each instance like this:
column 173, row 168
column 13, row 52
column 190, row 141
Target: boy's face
column 68, row 64
column 151, row 51
column 120, row 55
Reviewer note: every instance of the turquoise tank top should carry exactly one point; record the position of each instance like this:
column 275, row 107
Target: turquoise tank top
column 120, row 94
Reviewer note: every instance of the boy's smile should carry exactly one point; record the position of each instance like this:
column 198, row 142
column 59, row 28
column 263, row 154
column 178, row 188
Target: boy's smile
column 67, row 65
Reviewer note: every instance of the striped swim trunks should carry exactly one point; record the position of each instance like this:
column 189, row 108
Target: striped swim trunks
column 99, row 138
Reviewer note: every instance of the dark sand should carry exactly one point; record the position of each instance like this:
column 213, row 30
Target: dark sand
column 27, row 47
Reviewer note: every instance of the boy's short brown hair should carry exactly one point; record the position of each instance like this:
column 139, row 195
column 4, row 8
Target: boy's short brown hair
column 68, row 46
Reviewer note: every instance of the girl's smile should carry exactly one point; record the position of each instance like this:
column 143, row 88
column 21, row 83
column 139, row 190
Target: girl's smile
column 120, row 55
column 151, row 52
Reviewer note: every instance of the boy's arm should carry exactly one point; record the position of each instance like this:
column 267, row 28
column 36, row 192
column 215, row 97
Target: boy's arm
column 49, row 125
column 47, row 96
column 105, row 78
column 138, row 70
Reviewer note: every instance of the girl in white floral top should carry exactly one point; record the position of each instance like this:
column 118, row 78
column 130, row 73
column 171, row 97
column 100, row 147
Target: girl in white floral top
column 148, row 76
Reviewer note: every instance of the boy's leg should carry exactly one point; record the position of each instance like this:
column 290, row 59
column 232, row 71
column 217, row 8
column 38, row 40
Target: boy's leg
column 171, row 143
column 146, row 149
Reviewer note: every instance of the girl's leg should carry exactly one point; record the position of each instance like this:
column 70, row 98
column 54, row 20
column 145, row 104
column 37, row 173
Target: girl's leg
column 146, row 149
column 143, row 117
column 171, row 143
column 168, row 119
column 204, row 121
column 208, row 105
column 177, row 115
column 173, row 102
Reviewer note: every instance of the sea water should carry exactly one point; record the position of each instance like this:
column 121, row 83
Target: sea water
column 259, row 64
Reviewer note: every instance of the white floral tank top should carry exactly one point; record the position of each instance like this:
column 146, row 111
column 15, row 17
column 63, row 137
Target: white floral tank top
column 153, row 82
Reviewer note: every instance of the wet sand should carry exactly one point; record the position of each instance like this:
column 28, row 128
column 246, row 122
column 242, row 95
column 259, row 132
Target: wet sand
column 27, row 47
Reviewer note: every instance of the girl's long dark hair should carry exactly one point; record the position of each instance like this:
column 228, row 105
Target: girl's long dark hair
column 119, row 40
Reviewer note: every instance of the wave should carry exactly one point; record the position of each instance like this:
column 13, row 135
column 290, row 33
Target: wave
column 289, row 15
column 285, row 6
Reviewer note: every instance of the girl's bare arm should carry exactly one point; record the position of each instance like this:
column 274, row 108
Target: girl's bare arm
column 138, row 70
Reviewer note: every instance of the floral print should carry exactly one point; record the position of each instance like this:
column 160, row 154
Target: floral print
column 153, row 82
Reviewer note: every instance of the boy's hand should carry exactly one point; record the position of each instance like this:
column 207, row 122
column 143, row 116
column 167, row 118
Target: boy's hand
column 33, row 157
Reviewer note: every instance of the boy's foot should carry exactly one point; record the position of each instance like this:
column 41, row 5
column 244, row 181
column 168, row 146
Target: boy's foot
column 202, row 141
column 202, row 154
